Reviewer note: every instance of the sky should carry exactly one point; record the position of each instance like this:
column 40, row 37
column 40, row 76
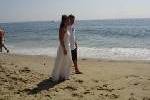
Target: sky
column 45, row 10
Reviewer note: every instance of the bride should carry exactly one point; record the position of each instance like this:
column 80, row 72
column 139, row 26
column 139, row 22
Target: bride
column 63, row 62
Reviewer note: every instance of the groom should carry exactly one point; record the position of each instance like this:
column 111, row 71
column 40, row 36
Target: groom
column 73, row 44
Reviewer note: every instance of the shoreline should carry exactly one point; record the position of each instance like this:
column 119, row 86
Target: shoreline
column 27, row 77
column 95, row 53
column 80, row 58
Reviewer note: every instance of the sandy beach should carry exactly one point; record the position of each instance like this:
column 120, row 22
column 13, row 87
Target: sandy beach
column 25, row 77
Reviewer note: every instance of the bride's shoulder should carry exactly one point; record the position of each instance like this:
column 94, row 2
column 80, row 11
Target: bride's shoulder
column 62, row 30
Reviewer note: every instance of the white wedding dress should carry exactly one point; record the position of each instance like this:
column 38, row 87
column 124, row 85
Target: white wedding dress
column 63, row 63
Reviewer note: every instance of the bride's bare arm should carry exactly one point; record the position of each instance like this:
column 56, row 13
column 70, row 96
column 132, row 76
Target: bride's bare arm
column 61, row 39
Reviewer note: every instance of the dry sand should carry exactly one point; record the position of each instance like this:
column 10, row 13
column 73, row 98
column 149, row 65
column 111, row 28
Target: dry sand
column 27, row 78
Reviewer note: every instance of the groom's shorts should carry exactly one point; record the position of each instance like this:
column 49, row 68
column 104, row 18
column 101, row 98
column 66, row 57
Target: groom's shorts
column 1, row 41
column 74, row 54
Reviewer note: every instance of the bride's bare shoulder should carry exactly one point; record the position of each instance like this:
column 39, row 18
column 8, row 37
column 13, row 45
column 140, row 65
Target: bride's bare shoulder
column 62, row 30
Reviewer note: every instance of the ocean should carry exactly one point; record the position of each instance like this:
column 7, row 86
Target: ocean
column 120, row 39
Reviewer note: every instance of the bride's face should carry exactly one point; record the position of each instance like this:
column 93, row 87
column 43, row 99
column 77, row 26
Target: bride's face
column 68, row 21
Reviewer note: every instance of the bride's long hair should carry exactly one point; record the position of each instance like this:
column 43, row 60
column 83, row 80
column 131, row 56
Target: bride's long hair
column 63, row 21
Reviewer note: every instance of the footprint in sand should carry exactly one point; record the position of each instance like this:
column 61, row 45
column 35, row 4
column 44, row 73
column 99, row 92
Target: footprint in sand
column 16, row 78
column 49, row 96
column 132, row 97
column 71, row 88
column 95, row 81
column 77, row 95
column 84, row 59
column 87, row 91
column 121, row 88
column 16, row 66
column 137, row 83
column 146, row 98
column 79, row 81
column 12, row 64
column 44, row 64
column 106, row 85
column 105, row 88
column 131, row 76
column 110, row 96
column 113, row 96
column 25, row 70
column 146, row 87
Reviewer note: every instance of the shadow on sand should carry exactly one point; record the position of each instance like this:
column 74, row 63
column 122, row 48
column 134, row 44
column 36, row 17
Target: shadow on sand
column 43, row 85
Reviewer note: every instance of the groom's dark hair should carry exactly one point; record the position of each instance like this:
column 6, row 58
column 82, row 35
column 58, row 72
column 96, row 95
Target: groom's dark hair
column 72, row 16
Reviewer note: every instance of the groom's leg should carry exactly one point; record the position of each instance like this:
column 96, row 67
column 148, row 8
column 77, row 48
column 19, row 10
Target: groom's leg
column 1, row 44
column 74, row 58
column 5, row 48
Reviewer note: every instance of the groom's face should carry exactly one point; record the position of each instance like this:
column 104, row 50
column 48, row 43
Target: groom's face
column 71, row 21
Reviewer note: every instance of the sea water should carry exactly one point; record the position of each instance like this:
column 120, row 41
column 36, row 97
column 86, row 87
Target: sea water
column 126, row 39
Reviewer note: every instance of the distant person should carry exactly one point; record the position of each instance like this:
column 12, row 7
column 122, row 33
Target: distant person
column 63, row 62
column 2, row 39
column 73, row 44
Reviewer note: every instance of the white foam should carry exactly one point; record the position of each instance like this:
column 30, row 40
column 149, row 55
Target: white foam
column 116, row 53
column 85, row 52
column 35, row 51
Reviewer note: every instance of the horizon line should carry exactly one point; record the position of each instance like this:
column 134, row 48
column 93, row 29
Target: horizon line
column 76, row 20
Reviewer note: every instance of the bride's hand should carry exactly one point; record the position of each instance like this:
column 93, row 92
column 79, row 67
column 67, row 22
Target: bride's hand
column 65, row 52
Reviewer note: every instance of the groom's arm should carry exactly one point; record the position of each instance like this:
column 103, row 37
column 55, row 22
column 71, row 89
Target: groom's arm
column 75, row 38
column 76, row 44
column 4, row 35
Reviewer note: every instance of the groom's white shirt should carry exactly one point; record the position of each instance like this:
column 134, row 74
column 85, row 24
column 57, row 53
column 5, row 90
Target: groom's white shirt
column 72, row 37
